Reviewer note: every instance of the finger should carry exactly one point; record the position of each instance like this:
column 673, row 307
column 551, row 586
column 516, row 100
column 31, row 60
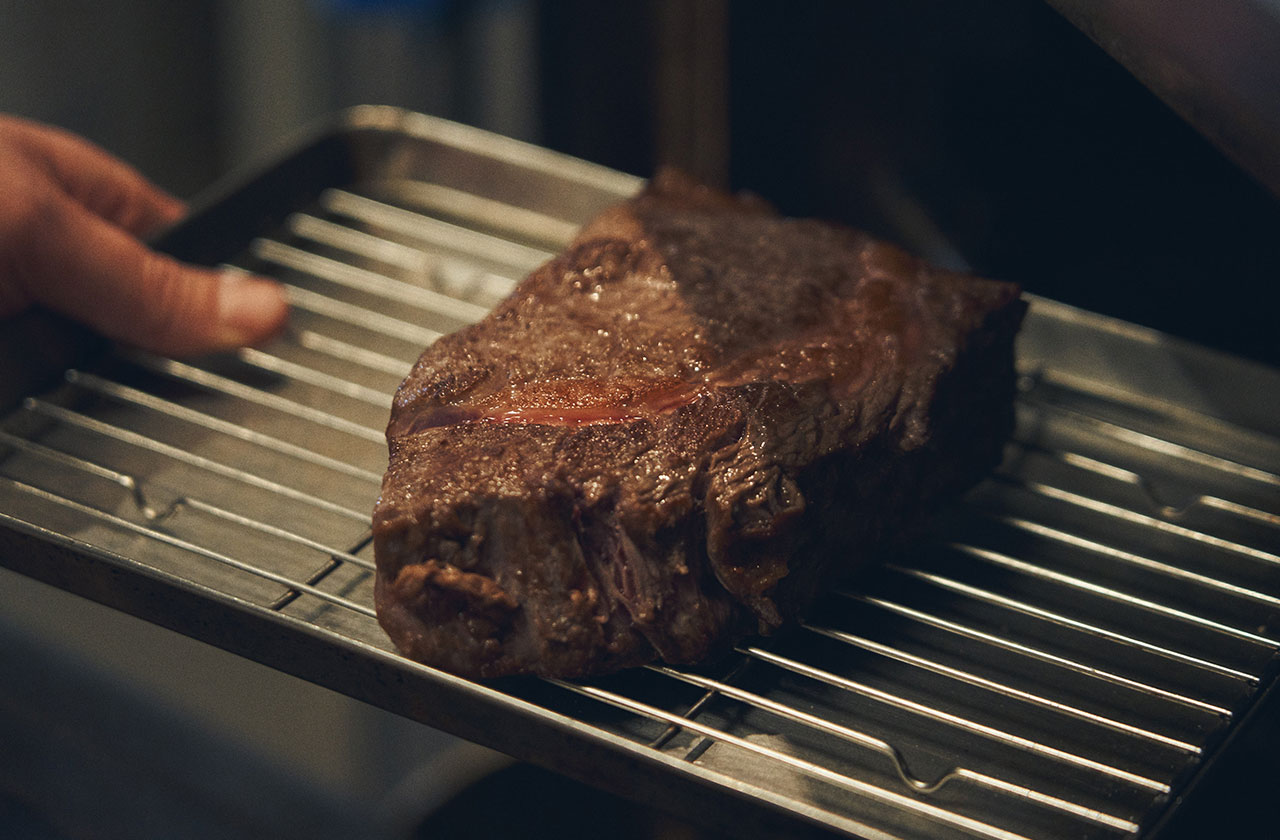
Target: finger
column 101, row 182
column 93, row 272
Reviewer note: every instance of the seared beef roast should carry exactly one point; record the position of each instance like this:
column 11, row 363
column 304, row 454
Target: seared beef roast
column 676, row 433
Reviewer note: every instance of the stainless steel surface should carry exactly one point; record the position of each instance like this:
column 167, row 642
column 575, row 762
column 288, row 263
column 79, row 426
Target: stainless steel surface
column 1062, row 660
column 1215, row 63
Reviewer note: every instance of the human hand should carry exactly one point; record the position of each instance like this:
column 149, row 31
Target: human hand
column 70, row 220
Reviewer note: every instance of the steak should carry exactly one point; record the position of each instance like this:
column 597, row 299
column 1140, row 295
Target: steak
column 676, row 433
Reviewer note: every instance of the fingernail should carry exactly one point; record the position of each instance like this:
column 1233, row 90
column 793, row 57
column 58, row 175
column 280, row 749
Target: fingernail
column 250, row 308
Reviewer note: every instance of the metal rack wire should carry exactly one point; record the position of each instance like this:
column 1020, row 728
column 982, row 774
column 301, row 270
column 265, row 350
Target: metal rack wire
column 1059, row 662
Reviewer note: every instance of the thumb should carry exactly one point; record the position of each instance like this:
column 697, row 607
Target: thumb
column 101, row 275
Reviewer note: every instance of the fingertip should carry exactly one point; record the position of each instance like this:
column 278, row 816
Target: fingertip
column 165, row 211
column 141, row 208
column 250, row 309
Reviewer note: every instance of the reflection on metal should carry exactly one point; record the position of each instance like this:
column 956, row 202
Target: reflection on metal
column 1215, row 62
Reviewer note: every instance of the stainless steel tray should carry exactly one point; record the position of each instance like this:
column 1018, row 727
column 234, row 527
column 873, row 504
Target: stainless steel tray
column 1065, row 659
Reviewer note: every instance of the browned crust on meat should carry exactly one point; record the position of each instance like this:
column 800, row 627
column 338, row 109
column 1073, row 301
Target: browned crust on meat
column 675, row 433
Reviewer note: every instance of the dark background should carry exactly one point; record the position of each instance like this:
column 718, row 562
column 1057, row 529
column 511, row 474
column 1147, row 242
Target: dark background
column 1025, row 149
